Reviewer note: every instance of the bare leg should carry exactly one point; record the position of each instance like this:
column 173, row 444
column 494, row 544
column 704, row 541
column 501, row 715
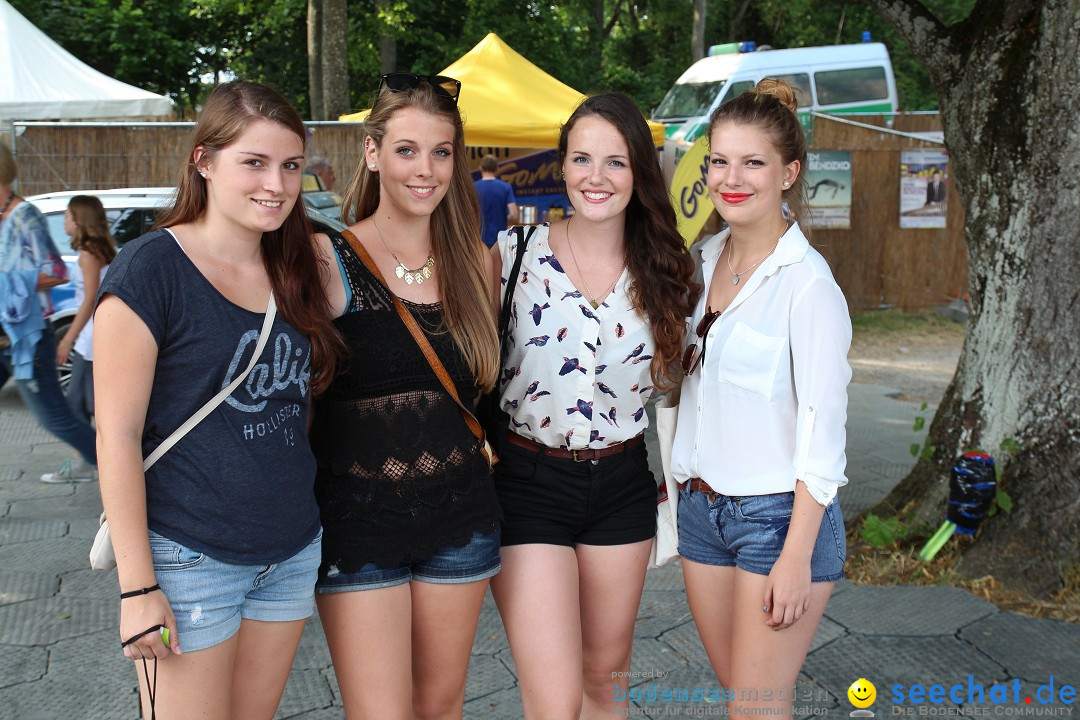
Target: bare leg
column 369, row 633
column 541, row 581
column 193, row 685
column 710, row 590
column 611, row 579
column 264, row 656
column 443, row 630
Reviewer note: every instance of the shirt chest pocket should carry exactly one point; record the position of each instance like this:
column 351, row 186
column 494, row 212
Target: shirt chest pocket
column 749, row 360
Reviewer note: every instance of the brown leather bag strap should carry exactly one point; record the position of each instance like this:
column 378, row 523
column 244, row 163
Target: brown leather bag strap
column 419, row 337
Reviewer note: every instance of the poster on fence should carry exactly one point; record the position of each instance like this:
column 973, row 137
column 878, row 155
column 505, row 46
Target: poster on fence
column 828, row 188
column 924, row 188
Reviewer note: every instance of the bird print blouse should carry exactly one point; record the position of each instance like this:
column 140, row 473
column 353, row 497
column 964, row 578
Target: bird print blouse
column 574, row 377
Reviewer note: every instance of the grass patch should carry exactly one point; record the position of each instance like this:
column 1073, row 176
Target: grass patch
column 899, row 564
column 898, row 321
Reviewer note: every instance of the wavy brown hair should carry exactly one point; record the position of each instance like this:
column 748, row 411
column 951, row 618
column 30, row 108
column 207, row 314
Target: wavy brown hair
column 662, row 288
column 91, row 228
column 455, row 231
column 292, row 259
column 772, row 108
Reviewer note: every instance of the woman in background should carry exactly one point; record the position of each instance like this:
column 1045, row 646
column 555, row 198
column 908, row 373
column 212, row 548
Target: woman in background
column 86, row 225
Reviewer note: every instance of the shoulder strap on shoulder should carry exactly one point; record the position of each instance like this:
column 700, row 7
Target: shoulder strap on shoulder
column 511, row 281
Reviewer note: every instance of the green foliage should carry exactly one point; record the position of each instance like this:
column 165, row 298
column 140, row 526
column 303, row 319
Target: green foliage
column 925, row 449
column 882, row 532
column 178, row 47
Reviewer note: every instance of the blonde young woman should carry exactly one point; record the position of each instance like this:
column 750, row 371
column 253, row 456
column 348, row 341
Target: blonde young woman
column 759, row 448
column 86, row 225
column 408, row 505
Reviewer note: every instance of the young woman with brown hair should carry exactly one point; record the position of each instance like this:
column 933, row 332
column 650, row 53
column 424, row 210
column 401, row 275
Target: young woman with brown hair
column 597, row 322
column 86, row 224
column 219, row 541
column 407, row 500
column 759, row 447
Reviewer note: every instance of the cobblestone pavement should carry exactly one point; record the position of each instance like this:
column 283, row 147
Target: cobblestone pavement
column 58, row 639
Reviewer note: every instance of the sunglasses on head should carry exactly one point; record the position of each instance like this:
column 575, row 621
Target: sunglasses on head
column 400, row 82
column 692, row 355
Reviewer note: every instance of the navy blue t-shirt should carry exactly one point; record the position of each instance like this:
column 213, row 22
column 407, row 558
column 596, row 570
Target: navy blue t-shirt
column 240, row 486
column 494, row 196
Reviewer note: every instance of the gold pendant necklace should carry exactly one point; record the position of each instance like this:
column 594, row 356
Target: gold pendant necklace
column 419, row 275
column 589, row 296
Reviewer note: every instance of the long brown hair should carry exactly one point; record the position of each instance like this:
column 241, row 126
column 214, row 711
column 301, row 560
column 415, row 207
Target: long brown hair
column 289, row 253
column 455, row 231
column 661, row 270
column 772, row 108
column 91, row 228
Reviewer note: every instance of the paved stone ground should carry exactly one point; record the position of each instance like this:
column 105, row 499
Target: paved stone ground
column 58, row 654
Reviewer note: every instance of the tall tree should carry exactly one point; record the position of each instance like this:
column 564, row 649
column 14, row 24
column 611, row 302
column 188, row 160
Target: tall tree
column 315, row 50
column 697, row 45
column 1008, row 80
column 335, row 59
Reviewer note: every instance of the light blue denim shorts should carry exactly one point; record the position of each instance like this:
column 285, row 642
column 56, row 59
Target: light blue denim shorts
column 209, row 597
column 477, row 560
column 748, row 532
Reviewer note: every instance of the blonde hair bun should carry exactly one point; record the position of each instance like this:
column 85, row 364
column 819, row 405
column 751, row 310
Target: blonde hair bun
column 779, row 90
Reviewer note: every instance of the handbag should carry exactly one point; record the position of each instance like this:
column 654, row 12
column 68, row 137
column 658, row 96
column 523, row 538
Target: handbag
column 102, row 556
column 665, row 545
column 425, row 347
column 489, row 411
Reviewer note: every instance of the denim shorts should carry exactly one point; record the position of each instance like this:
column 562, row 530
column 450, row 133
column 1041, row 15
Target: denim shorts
column 477, row 560
column 749, row 532
column 209, row 597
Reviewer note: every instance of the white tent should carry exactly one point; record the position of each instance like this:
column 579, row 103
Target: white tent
column 39, row 80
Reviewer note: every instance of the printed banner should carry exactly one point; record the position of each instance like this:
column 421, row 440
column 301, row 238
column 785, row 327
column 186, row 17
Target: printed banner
column 924, row 188
column 689, row 190
column 828, row 188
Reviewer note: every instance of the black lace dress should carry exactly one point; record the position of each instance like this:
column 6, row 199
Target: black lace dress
column 400, row 475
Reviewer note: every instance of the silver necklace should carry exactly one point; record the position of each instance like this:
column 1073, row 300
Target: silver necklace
column 592, row 298
column 738, row 275
column 419, row 275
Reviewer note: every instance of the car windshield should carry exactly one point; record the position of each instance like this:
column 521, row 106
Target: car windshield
column 688, row 100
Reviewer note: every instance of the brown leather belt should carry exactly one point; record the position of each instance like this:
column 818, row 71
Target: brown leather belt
column 575, row 455
column 699, row 485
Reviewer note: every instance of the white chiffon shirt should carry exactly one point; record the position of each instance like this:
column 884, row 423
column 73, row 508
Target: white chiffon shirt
column 575, row 377
column 768, row 404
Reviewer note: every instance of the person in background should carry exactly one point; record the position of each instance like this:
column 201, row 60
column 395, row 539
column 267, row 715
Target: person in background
column 86, row 225
column 320, row 166
column 497, row 202
column 219, row 541
column 935, row 189
column 30, row 264
column 759, row 445
column 597, row 323
column 405, row 490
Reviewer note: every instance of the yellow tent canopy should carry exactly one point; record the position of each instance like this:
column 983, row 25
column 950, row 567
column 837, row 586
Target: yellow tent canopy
column 506, row 101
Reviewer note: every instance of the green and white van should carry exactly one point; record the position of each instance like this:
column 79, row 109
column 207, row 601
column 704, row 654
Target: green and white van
column 833, row 79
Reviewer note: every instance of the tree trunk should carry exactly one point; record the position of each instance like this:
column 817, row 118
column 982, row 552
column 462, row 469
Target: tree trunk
column 1007, row 79
column 597, row 42
column 335, row 60
column 697, row 48
column 387, row 43
column 315, row 64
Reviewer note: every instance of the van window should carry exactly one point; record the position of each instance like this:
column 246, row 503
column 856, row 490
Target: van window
column 853, row 85
column 688, row 100
column 736, row 89
column 800, row 83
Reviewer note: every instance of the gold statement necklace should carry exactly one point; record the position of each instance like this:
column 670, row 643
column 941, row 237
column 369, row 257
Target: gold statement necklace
column 588, row 293
column 419, row 275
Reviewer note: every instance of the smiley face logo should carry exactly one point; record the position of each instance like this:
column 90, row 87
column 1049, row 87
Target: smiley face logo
column 862, row 693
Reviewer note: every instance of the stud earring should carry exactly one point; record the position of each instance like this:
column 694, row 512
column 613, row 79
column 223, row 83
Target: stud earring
column 786, row 183
column 371, row 166
column 202, row 175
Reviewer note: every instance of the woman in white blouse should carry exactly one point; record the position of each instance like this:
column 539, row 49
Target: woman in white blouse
column 759, row 449
column 597, row 324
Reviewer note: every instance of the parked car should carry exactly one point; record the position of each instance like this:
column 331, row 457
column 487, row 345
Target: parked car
column 131, row 213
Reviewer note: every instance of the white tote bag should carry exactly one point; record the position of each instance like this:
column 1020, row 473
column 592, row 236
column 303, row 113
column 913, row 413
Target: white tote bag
column 665, row 546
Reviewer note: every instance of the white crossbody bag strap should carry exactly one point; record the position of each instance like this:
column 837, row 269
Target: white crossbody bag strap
column 201, row 413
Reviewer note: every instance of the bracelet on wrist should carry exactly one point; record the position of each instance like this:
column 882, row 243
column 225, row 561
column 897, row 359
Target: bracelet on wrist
column 136, row 593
